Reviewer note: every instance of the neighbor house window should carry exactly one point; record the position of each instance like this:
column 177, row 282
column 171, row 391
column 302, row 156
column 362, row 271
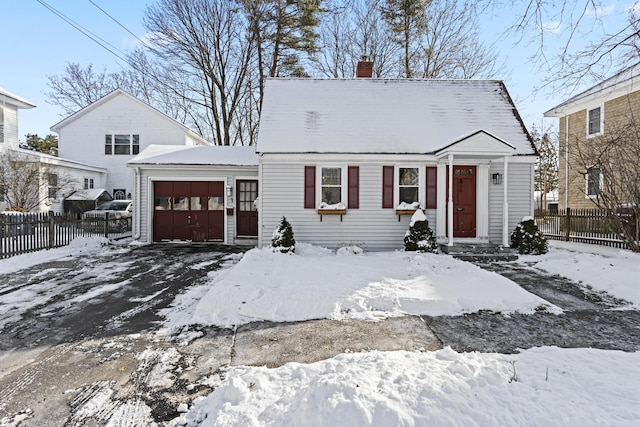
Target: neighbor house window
column 331, row 185
column 119, row 194
column 594, row 121
column 122, row 144
column 408, row 185
column 88, row 183
column 594, row 181
column 52, row 180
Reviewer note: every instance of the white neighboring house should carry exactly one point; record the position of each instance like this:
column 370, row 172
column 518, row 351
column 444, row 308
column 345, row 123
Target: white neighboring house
column 113, row 130
column 196, row 193
column 59, row 177
column 347, row 161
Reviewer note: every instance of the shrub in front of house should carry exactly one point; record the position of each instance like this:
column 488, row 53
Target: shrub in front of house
column 420, row 237
column 527, row 239
column 282, row 239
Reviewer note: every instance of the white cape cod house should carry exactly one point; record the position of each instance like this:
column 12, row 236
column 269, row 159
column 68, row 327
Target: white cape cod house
column 348, row 161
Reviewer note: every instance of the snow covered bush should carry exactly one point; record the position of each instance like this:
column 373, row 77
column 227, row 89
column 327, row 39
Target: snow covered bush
column 420, row 237
column 527, row 239
column 282, row 239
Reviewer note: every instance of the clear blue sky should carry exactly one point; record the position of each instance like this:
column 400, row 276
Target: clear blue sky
column 37, row 44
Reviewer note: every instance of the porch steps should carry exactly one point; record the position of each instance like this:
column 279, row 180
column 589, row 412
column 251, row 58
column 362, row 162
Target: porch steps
column 479, row 252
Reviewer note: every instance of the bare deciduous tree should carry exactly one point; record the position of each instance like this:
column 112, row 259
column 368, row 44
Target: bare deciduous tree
column 546, row 173
column 26, row 181
column 207, row 43
column 611, row 162
column 572, row 22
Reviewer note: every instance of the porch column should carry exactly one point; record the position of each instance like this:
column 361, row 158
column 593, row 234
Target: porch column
column 505, row 205
column 482, row 202
column 450, row 203
column 441, row 195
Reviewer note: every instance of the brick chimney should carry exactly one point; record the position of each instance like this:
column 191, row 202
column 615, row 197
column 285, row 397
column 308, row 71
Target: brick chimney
column 364, row 69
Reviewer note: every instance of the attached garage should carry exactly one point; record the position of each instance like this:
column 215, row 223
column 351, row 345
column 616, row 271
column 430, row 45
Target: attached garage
column 188, row 210
column 196, row 194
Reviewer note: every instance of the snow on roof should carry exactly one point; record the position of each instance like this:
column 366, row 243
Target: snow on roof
column 12, row 98
column 384, row 116
column 196, row 155
column 619, row 80
column 88, row 194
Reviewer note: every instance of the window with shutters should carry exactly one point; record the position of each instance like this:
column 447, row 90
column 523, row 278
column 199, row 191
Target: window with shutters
column 336, row 187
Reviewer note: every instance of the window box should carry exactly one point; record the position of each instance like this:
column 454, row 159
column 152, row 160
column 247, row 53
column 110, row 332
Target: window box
column 332, row 211
column 405, row 211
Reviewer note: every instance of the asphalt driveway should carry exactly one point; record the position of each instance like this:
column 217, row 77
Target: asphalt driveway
column 79, row 342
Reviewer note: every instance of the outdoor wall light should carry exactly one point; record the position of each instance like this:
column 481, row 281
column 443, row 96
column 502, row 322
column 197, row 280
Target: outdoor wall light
column 497, row 178
column 229, row 190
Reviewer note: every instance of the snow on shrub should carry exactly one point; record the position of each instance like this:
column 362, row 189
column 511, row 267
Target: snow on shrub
column 282, row 239
column 527, row 239
column 420, row 237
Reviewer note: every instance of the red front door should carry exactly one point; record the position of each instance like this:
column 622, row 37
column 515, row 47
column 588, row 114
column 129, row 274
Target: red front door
column 464, row 201
column 188, row 210
column 247, row 214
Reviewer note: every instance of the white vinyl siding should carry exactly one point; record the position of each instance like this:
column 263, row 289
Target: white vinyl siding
column 184, row 173
column 520, row 182
column 370, row 226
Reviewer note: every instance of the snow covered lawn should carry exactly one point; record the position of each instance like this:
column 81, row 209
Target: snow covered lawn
column 316, row 283
column 538, row 387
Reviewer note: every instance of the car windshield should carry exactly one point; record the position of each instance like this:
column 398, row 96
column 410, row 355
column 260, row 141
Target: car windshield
column 113, row 206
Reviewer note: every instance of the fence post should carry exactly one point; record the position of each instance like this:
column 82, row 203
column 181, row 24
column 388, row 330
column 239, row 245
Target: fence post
column 106, row 224
column 567, row 226
column 51, row 230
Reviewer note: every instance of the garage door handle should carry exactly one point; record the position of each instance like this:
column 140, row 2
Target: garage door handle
column 459, row 209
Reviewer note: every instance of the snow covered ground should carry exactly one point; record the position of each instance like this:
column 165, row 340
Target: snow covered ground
column 539, row 386
column 611, row 270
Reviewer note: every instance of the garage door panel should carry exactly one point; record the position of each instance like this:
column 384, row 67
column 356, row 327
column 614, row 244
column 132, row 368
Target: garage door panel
column 188, row 210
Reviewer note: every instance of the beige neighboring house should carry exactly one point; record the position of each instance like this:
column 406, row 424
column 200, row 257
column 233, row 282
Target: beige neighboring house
column 587, row 119
column 57, row 177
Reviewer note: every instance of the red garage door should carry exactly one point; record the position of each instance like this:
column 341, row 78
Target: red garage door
column 192, row 210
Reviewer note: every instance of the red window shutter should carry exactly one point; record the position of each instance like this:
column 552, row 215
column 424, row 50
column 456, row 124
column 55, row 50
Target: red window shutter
column 353, row 195
column 309, row 187
column 387, row 186
column 432, row 187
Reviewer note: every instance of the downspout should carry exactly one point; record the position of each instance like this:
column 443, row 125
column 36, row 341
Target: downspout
column 450, row 203
column 566, row 160
column 136, row 171
column 505, row 204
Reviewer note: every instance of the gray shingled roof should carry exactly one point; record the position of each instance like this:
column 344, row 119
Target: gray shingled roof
column 384, row 116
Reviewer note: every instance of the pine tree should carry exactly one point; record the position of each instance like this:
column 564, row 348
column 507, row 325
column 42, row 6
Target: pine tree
column 420, row 237
column 527, row 239
column 282, row 239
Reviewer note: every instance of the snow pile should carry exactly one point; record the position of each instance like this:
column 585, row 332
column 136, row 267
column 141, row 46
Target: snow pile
column 78, row 246
column 541, row 386
column 602, row 268
column 316, row 283
column 334, row 207
column 404, row 206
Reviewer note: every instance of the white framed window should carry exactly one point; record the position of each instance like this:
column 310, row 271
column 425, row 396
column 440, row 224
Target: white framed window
column 593, row 181
column 408, row 185
column 121, row 144
column 52, row 181
column 331, row 185
column 594, row 121
column 119, row 194
column 88, row 183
